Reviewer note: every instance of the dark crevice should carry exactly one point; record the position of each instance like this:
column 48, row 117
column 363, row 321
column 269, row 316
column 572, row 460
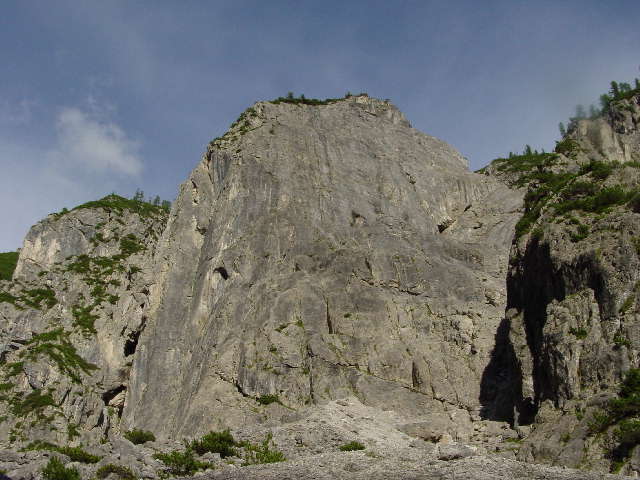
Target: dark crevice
column 100, row 420
column 223, row 272
column 533, row 283
column 240, row 391
column 132, row 342
column 368, row 265
column 415, row 376
column 444, row 225
column 329, row 323
column 357, row 220
column 501, row 382
column 111, row 394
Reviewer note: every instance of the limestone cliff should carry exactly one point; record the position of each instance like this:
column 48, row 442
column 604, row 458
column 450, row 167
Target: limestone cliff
column 318, row 252
column 71, row 318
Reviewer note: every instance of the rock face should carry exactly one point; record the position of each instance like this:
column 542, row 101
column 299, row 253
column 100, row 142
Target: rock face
column 318, row 252
column 71, row 319
column 571, row 328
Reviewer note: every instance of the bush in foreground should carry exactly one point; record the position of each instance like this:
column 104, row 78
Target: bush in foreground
column 181, row 463
column 352, row 446
column 138, row 437
column 215, row 442
column 124, row 473
column 55, row 470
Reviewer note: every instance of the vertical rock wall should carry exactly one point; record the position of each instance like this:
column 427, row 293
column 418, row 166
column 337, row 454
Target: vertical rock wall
column 318, row 252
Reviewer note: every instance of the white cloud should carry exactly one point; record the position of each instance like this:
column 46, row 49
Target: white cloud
column 87, row 140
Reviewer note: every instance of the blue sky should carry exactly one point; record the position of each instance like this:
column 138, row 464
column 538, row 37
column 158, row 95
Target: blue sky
column 101, row 96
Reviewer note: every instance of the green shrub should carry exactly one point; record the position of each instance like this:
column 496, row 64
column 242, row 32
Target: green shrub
column 181, row 463
column 75, row 454
column 579, row 333
column 255, row 454
column 268, row 399
column 621, row 340
column 215, row 442
column 8, row 262
column 581, row 234
column 138, row 437
column 352, row 446
column 130, row 245
column 84, row 319
column 303, row 100
column 631, row 383
column 60, row 350
column 567, row 147
column 626, row 436
column 55, row 470
column 599, row 422
column 628, row 432
column 627, row 304
column 34, row 402
column 35, row 297
column 598, row 169
column 121, row 471
column 598, row 203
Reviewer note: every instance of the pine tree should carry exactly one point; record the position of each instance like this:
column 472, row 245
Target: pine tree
column 563, row 130
column 139, row 196
column 615, row 90
column 624, row 88
column 605, row 100
column 156, row 201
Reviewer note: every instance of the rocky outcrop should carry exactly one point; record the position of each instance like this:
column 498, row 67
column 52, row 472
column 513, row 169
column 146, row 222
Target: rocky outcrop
column 71, row 319
column 571, row 328
column 318, row 252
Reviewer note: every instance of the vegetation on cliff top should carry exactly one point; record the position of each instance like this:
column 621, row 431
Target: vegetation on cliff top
column 550, row 187
column 618, row 91
column 244, row 123
column 302, row 100
column 116, row 203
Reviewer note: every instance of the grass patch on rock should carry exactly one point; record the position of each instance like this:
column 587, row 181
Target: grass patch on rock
column 120, row 471
column 262, row 453
column 352, row 446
